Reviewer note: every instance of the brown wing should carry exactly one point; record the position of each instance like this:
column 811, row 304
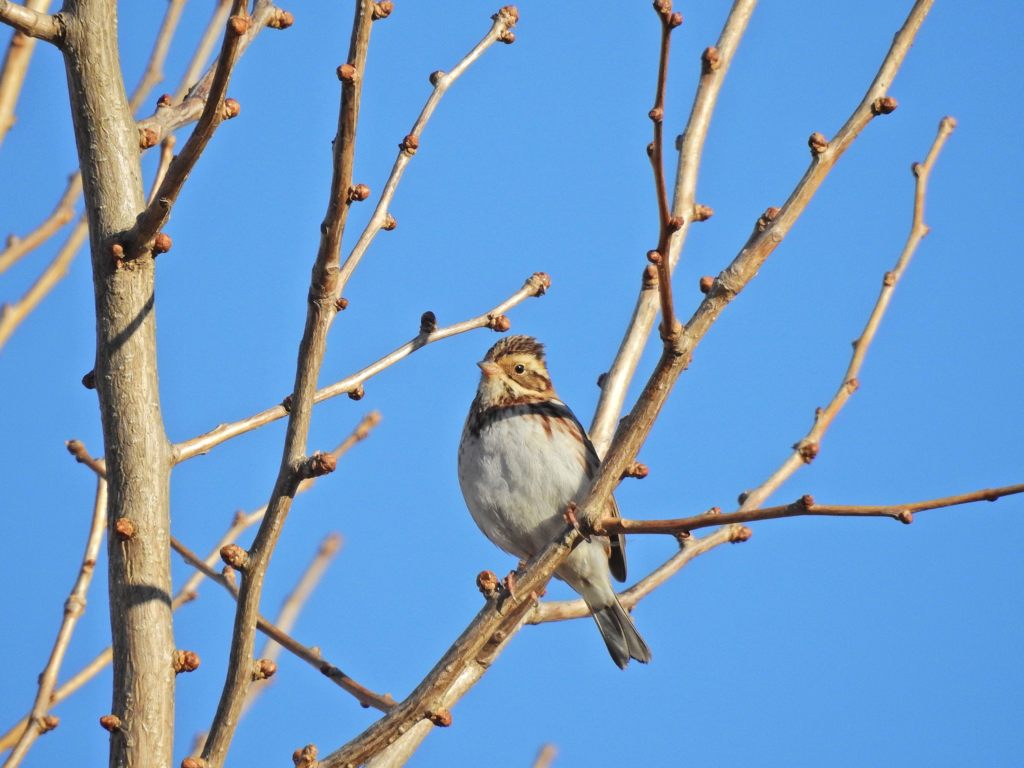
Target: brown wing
column 617, row 551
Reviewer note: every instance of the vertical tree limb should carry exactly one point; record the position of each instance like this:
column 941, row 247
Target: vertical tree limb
column 136, row 449
column 294, row 462
column 74, row 607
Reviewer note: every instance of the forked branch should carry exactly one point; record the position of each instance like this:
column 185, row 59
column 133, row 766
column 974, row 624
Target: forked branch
column 806, row 449
column 493, row 626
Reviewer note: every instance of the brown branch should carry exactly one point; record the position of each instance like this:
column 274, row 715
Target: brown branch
column 442, row 81
column 42, row 26
column 166, row 156
column 74, row 607
column 291, row 609
column 634, row 430
column 802, row 507
column 690, row 547
column 546, row 756
column 188, row 591
column 62, row 214
column 715, row 64
column 398, row 753
column 320, row 312
column 535, row 285
column 12, row 315
column 666, row 226
column 205, row 47
column 15, row 67
column 311, row 656
column 806, row 449
column 190, row 106
column 154, row 71
column 214, row 113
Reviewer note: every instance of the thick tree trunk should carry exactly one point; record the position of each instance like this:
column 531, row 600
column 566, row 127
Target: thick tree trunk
column 135, row 444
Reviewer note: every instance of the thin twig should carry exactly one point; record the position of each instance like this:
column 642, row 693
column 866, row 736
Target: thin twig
column 715, row 64
column 546, row 756
column 442, row 81
column 15, row 67
column 74, row 607
column 189, row 107
column 166, row 156
column 205, row 47
column 311, row 656
column 12, row 315
column 62, row 214
column 291, row 609
column 634, row 430
column 188, row 591
column 214, row 113
column 802, row 507
column 805, row 450
column 535, row 285
column 295, row 464
column 43, row 26
column 154, row 71
column 690, row 547
column 666, row 225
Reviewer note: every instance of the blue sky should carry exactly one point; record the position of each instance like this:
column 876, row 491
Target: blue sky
column 818, row 642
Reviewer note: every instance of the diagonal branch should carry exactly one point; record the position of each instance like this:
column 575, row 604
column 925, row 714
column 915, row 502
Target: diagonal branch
column 12, row 315
column 15, row 67
column 491, row 620
column 295, row 464
column 188, row 591
column 62, row 214
column 495, row 318
column 501, row 30
column 715, row 64
column 42, row 26
column 154, row 71
column 806, row 449
column 214, row 112
column 38, row 721
column 311, row 656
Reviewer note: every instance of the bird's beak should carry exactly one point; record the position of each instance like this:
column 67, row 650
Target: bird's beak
column 490, row 369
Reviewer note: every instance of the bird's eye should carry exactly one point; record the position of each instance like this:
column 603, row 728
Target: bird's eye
column 520, row 368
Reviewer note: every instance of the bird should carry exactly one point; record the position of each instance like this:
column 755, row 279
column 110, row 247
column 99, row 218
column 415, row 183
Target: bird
column 523, row 457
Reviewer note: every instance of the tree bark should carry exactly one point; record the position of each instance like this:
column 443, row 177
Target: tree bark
column 136, row 447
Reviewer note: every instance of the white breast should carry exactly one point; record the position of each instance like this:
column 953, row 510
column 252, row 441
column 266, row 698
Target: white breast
column 517, row 477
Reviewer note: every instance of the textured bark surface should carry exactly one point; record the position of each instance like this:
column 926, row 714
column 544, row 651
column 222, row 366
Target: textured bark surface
column 135, row 445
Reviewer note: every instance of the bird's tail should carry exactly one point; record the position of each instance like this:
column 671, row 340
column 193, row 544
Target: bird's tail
column 620, row 635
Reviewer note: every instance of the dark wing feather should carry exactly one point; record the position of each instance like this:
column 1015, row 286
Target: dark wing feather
column 617, row 554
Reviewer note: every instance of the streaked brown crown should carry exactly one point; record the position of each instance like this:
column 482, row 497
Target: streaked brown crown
column 515, row 345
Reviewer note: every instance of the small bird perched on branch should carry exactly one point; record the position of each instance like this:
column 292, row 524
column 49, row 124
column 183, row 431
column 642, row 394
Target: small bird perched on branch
column 523, row 458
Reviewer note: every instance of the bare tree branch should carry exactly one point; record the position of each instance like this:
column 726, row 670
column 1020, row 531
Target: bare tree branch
column 12, row 74
column 495, row 318
column 802, row 507
column 666, row 225
column 807, row 448
column 546, row 756
column 74, row 607
column 291, row 609
column 214, row 112
column 187, row 592
column 154, row 71
column 24, row 19
column 62, row 214
column 690, row 547
column 295, row 464
column 491, row 620
column 311, row 656
column 715, row 64
column 12, row 315
column 442, row 81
